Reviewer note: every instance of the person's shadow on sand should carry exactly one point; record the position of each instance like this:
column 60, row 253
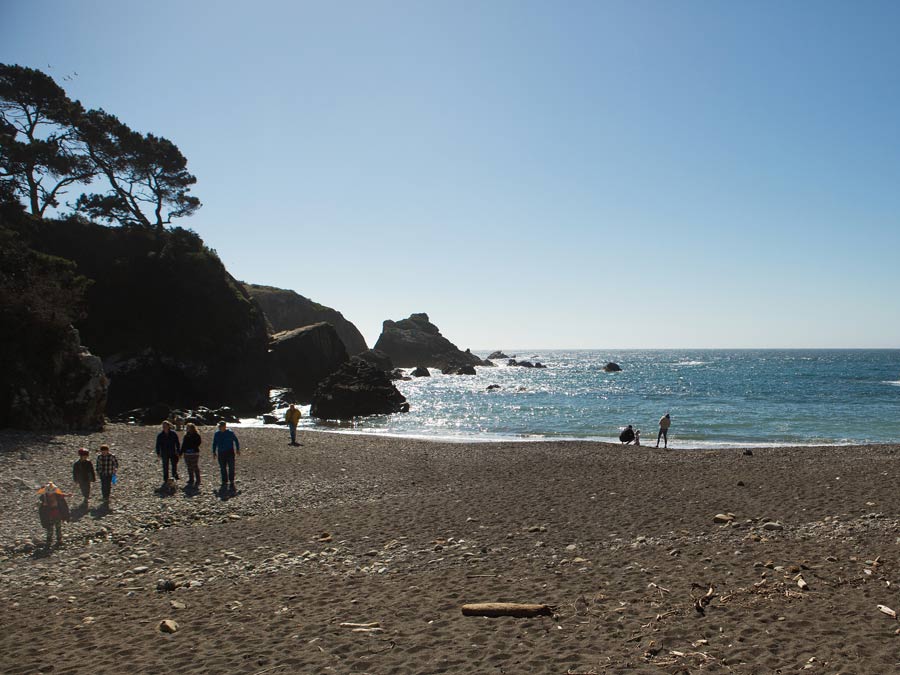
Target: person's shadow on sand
column 41, row 552
column 226, row 493
column 100, row 511
column 78, row 513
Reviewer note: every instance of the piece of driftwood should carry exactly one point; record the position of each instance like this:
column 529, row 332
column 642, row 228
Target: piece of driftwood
column 884, row 609
column 506, row 609
column 371, row 624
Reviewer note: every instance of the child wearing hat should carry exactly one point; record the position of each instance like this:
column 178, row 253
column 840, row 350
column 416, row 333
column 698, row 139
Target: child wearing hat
column 52, row 510
column 83, row 474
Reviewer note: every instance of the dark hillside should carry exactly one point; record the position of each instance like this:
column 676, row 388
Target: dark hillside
column 168, row 320
column 287, row 310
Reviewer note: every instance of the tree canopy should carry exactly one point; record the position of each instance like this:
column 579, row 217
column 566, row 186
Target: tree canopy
column 49, row 143
column 39, row 149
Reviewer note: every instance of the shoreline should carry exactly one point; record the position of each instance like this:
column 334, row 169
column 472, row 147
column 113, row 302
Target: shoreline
column 495, row 439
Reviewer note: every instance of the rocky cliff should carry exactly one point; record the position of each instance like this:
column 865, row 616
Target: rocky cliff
column 48, row 379
column 416, row 342
column 169, row 322
column 286, row 310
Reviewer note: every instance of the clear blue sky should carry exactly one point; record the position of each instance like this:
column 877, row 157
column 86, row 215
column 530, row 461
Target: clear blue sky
column 531, row 174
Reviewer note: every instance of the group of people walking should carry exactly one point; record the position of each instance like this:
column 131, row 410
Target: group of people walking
column 53, row 507
column 170, row 449
column 631, row 435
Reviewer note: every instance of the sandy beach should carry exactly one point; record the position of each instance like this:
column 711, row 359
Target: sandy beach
column 398, row 534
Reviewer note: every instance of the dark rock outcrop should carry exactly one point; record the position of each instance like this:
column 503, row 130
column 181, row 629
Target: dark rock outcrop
column 168, row 320
column 377, row 358
column 497, row 355
column 286, row 310
column 612, row 367
column 459, row 370
column 357, row 389
column 525, row 364
column 48, row 380
column 68, row 392
column 418, row 342
column 303, row 357
column 421, row 371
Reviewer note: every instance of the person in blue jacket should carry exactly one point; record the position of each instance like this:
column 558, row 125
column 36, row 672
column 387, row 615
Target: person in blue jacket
column 225, row 446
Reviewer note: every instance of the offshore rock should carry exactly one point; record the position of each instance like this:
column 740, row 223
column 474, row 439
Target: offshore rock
column 497, row 355
column 459, row 370
column 418, row 342
column 420, row 371
column 612, row 367
column 303, row 357
column 357, row 389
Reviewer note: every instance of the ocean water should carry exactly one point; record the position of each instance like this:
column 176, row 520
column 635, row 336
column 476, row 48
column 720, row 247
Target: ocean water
column 715, row 397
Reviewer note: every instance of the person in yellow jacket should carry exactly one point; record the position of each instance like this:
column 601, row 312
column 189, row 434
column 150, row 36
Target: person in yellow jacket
column 292, row 417
column 664, row 423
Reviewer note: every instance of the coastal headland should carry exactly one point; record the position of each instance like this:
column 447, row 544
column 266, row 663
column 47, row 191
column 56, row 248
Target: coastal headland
column 354, row 554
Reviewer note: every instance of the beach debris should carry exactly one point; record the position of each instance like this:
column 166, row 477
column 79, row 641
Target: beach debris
column 801, row 582
column 234, row 604
column 662, row 591
column 371, row 624
column 701, row 602
column 324, row 537
column 367, row 630
column 506, row 609
column 167, row 626
column 177, row 604
column 723, row 517
column 884, row 609
column 773, row 525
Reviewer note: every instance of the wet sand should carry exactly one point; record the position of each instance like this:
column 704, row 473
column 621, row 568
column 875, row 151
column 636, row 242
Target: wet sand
column 622, row 543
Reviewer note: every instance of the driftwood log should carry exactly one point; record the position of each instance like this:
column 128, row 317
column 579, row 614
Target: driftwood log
column 506, row 609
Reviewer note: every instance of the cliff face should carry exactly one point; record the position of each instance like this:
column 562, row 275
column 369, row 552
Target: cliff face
column 48, row 379
column 418, row 342
column 287, row 310
column 168, row 320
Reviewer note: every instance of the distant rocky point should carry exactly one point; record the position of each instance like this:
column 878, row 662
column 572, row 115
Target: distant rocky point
column 416, row 342
column 286, row 310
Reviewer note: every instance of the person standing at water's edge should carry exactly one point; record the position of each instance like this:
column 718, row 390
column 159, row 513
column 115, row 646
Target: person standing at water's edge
column 224, row 446
column 167, row 449
column 292, row 417
column 664, row 423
